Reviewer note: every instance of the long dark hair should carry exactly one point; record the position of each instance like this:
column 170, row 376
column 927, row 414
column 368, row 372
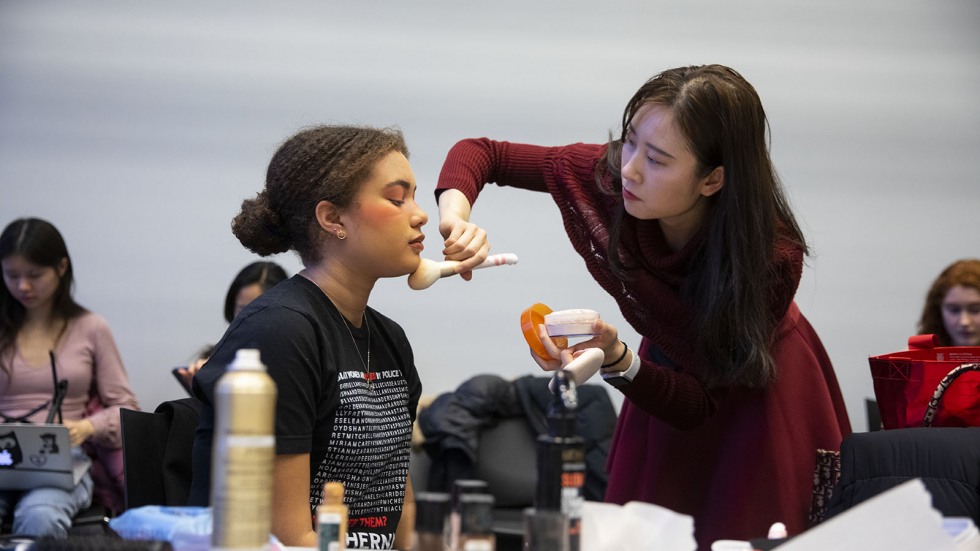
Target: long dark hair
column 322, row 163
column 41, row 243
column 262, row 273
column 964, row 272
column 721, row 116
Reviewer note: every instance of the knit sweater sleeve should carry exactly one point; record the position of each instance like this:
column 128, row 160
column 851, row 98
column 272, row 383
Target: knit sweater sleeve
column 678, row 399
column 473, row 163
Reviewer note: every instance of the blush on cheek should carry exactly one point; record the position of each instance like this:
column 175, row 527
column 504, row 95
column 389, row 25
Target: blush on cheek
column 380, row 211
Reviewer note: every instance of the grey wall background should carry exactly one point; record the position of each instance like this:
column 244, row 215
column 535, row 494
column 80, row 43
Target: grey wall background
column 138, row 128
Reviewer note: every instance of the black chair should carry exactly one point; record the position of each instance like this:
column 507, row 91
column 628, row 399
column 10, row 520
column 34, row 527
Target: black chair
column 487, row 429
column 508, row 463
column 157, row 452
column 946, row 459
column 874, row 414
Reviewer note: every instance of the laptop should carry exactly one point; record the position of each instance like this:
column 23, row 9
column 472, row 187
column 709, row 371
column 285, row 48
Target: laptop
column 39, row 455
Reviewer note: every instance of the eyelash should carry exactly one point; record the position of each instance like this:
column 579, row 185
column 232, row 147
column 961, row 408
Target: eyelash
column 396, row 202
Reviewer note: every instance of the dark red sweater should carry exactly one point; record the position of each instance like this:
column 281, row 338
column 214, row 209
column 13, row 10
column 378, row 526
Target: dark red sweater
column 736, row 459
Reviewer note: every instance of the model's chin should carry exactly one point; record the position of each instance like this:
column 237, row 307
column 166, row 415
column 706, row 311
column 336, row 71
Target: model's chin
column 408, row 265
column 414, row 262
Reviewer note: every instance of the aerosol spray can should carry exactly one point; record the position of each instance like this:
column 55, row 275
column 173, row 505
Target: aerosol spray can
column 561, row 460
column 244, row 450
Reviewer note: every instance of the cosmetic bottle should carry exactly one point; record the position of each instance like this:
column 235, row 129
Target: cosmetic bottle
column 545, row 530
column 331, row 519
column 461, row 487
column 476, row 523
column 431, row 509
column 244, row 450
column 561, row 460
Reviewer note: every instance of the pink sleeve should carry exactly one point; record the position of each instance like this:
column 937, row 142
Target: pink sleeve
column 111, row 385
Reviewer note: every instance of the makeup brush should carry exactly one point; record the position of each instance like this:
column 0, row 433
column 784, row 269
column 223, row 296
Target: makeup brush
column 582, row 367
column 429, row 271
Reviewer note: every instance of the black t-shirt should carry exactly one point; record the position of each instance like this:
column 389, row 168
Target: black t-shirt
column 357, row 427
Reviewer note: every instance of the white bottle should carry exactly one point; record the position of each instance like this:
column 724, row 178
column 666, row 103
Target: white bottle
column 331, row 518
column 243, row 455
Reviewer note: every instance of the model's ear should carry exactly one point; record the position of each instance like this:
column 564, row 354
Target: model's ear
column 328, row 217
column 62, row 267
column 713, row 182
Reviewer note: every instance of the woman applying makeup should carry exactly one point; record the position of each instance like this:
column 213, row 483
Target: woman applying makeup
column 343, row 198
column 683, row 221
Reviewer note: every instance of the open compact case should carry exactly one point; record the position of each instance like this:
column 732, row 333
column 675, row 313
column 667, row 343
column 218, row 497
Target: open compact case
column 561, row 325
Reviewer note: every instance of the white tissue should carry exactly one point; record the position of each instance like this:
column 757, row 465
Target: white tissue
column 635, row 526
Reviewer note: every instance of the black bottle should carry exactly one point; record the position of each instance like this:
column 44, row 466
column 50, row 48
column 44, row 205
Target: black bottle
column 461, row 487
column 561, row 460
column 431, row 510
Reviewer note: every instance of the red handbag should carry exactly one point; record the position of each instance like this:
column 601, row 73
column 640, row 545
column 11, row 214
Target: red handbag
column 928, row 385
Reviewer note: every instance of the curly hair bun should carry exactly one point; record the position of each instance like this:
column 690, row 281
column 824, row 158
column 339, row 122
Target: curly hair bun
column 259, row 228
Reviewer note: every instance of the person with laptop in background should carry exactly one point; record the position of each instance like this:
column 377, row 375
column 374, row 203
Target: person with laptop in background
column 46, row 336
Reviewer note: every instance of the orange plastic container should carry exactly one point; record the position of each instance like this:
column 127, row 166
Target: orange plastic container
column 531, row 318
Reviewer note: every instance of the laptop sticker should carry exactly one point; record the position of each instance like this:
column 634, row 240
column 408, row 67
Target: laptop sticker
column 10, row 453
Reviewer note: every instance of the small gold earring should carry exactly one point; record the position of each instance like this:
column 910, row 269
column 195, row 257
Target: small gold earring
column 341, row 234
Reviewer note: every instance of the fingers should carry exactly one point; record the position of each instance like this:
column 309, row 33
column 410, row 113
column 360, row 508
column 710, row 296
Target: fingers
column 466, row 241
column 194, row 367
column 550, row 347
column 547, row 365
column 567, row 355
column 553, row 362
column 467, row 244
column 466, row 266
column 79, row 431
column 605, row 337
column 605, row 331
